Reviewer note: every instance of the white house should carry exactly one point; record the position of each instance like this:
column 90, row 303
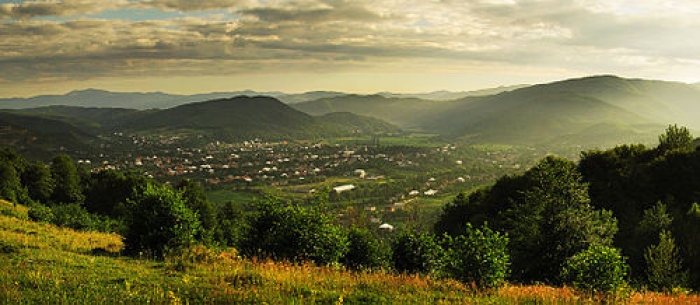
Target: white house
column 343, row 188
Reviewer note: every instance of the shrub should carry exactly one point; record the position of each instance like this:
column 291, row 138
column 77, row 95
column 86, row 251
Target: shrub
column 365, row 251
column 72, row 216
column 159, row 221
column 293, row 233
column 415, row 252
column 40, row 213
column 596, row 269
column 479, row 256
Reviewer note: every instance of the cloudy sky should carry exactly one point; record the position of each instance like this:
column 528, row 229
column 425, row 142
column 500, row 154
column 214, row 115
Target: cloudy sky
column 196, row 46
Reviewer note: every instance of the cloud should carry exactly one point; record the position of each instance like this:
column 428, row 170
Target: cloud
column 335, row 35
column 191, row 5
column 31, row 9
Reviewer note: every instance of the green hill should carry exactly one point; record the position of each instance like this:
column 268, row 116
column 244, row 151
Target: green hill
column 359, row 123
column 403, row 112
column 39, row 136
column 597, row 111
column 90, row 119
column 237, row 117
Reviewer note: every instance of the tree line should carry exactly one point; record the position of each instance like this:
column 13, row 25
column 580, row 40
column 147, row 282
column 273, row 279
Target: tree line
column 636, row 203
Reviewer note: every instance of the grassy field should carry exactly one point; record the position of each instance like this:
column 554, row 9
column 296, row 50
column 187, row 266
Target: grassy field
column 43, row 264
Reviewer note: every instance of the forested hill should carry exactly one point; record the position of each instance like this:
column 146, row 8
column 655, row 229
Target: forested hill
column 40, row 136
column 598, row 111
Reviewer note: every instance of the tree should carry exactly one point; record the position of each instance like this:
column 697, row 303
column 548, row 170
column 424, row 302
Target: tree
column 107, row 192
column 289, row 232
column 10, row 185
column 415, row 252
column 664, row 267
column 597, row 269
column 159, row 221
column 551, row 219
column 231, row 220
column 197, row 201
column 480, row 256
column 38, row 181
column 364, row 251
column 67, row 181
column 676, row 138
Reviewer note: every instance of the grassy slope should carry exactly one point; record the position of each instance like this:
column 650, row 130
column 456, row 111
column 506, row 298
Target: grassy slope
column 40, row 263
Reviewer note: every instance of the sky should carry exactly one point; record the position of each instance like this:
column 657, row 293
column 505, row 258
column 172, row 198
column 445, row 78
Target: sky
column 198, row 46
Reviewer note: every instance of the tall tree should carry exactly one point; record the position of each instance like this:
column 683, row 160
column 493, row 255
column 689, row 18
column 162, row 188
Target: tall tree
column 664, row 268
column 676, row 138
column 38, row 181
column 65, row 174
column 196, row 199
column 10, row 185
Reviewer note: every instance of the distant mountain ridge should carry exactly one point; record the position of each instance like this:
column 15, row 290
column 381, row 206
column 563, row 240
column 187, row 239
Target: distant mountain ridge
column 96, row 98
column 565, row 110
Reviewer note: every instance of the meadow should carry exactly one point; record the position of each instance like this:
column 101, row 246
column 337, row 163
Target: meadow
column 41, row 263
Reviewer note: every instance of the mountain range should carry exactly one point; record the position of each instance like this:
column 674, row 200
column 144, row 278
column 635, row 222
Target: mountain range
column 592, row 111
column 159, row 100
column 598, row 109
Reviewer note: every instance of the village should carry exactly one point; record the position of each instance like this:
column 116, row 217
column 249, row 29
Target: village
column 379, row 179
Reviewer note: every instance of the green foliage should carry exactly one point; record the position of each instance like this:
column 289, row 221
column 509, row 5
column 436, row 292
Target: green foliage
column 67, row 181
column 293, row 233
column 664, row 269
column 10, row 185
column 550, row 219
column 480, row 256
column 107, row 192
column 231, row 220
column 38, row 181
column 159, row 221
column 655, row 220
column 197, row 201
column 416, row 252
column 597, row 269
column 676, row 138
column 365, row 251
column 40, row 213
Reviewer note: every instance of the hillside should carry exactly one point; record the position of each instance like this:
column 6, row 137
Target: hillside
column 359, row 124
column 90, row 119
column 38, row 136
column 236, row 117
column 403, row 112
column 594, row 111
column 40, row 263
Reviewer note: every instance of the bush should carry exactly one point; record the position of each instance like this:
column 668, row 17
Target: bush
column 40, row 213
column 365, row 251
column 596, row 269
column 159, row 221
column 72, row 216
column 479, row 256
column 293, row 233
column 415, row 252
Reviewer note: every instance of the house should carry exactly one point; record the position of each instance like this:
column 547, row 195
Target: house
column 343, row 188
column 430, row 192
column 386, row 226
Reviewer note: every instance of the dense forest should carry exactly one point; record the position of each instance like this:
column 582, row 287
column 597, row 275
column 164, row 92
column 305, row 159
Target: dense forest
column 625, row 216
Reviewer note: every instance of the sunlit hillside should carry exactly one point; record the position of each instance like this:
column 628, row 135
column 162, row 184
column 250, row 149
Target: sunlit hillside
column 40, row 263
